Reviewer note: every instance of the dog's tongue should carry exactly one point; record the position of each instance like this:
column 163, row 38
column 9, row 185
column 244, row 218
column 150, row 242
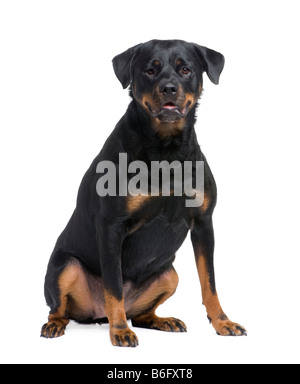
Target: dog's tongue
column 169, row 106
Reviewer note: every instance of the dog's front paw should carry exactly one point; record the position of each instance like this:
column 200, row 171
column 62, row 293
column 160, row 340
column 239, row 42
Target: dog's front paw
column 228, row 328
column 123, row 338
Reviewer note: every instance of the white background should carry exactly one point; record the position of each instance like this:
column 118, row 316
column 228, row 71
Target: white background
column 59, row 100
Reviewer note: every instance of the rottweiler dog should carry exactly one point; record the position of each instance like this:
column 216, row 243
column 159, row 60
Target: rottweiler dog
column 114, row 260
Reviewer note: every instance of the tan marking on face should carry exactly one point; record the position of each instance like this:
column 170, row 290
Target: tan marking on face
column 156, row 100
column 166, row 129
column 190, row 97
column 147, row 98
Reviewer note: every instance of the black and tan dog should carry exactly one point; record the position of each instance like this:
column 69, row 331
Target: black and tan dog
column 114, row 259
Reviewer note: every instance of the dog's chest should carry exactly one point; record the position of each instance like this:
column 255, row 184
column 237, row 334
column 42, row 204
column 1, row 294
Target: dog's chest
column 170, row 210
column 159, row 226
column 152, row 246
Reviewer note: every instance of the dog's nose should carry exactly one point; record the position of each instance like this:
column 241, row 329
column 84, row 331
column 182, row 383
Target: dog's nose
column 169, row 88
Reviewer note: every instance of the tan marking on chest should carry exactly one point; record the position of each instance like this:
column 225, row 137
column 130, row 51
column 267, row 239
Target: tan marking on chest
column 202, row 201
column 134, row 203
column 205, row 204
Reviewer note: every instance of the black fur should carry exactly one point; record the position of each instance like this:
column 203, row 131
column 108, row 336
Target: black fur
column 100, row 232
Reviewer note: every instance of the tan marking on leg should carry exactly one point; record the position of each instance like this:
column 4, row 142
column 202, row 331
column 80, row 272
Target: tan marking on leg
column 219, row 320
column 120, row 334
column 163, row 288
column 71, row 283
column 143, row 310
column 210, row 299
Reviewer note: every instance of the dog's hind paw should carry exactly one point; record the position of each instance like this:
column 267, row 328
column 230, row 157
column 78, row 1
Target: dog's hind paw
column 167, row 324
column 52, row 330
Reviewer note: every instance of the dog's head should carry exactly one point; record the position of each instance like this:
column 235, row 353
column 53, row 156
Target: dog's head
column 166, row 78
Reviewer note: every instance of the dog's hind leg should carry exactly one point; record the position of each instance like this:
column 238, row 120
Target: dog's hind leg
column 142, row 313
column 67, row 294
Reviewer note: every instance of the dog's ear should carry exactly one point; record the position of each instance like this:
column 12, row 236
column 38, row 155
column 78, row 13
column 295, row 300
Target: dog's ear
column 122, row 64
column 212, row 61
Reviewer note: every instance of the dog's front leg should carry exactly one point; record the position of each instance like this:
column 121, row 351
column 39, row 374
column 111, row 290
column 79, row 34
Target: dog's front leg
column 110, row 246
column 203, row 242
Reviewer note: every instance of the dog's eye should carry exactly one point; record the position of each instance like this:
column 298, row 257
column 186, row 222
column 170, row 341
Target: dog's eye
column 185, row 71
column 150, row 71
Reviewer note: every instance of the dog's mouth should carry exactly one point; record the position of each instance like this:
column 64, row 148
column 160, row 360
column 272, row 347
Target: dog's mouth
column 169, row 106
column 169, row 111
